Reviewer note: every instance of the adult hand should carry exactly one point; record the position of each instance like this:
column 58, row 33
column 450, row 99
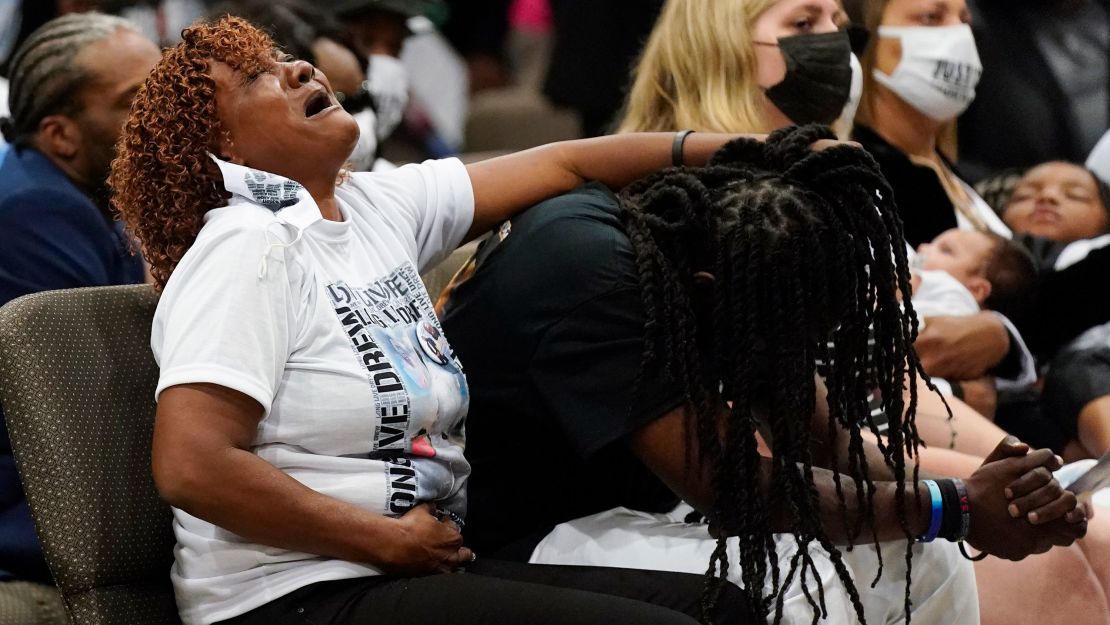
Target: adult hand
column 424, row 544
column 1054, row 518
column 1036, row 495
column 962, row 348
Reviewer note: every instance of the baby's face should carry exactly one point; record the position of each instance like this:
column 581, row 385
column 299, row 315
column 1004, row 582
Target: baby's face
column 962, row 253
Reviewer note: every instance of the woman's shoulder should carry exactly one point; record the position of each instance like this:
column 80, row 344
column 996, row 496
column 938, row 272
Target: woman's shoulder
column 233, row 240
column 577, row 234
column 407, row 181
column 238, row 219
column 580, row 229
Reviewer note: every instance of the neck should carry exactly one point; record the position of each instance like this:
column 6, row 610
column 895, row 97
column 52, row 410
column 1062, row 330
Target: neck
column 324, row 196
column 72, row 171
column 903, row 126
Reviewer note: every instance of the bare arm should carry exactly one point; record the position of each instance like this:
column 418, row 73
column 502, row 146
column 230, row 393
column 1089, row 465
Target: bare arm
column 506, row 185
column 202, row 465
column 1034, row 492
column 655, row 444
column 661, row 446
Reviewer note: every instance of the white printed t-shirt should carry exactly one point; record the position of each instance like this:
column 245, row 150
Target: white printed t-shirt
column 327, row 325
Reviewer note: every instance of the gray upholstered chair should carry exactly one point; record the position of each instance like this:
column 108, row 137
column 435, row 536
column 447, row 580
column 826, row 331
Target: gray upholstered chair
column 77, row 383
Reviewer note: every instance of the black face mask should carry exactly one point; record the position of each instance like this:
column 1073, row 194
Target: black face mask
column 818, row 77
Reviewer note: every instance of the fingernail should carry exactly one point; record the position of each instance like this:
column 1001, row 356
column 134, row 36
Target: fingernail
column 1009, row 493
column 1033, row 517
column 1059, row 460
column 1014, row 512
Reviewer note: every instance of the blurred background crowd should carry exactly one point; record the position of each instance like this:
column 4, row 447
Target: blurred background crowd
column 1001, row 183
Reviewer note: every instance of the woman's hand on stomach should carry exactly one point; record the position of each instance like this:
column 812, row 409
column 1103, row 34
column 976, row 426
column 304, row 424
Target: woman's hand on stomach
column 425, row 544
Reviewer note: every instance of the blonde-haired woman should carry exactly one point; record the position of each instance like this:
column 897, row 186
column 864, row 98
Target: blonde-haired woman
column 703, row 70
column 700, row 71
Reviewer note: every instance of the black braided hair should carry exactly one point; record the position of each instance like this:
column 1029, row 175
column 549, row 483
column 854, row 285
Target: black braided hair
column 809, row 265
column 45, row 76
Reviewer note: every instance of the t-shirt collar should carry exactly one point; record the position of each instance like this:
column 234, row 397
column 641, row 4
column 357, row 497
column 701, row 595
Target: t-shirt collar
column 285, row 198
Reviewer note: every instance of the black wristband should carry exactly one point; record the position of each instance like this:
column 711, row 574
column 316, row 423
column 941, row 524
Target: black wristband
column 676, row 148
column 950, row 519
column 956, row 520
column 965, row 509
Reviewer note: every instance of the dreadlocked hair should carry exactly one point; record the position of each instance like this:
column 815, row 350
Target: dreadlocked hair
column 163, row 180
column 809, row 265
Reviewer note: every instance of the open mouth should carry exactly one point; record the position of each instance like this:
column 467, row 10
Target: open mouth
column 317, row 103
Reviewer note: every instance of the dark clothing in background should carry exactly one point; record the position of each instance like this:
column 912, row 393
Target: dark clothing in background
column 550, row 331
column 1079, row 374
column 478, row 26
column 1070, row 301
column 923, row 204
column 1025, row 112
column 51, row 237
column 1022, row 413
column 1068, row 330
column 597, row 43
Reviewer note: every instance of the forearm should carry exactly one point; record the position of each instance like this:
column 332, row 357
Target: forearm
column 619, row 160
column 506, row 185
column 839, row 520
column 242, row 493
column 201, row 464
column 655, row 444
column 884, row 520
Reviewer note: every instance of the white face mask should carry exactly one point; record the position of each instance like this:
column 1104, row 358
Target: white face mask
column 366, row 150
column 388, row 84
column 939, row 70
column 848, row 115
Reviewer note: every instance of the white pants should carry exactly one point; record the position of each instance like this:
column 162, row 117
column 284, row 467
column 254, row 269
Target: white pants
column 942, row 590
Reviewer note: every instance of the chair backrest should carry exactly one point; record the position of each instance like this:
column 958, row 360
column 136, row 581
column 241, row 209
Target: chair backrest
column 77, row 381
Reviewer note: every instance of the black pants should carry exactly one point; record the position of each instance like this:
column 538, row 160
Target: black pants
column 493, row 593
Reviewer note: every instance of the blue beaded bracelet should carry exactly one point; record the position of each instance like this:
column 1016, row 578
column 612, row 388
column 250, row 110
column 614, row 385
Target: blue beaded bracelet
column 938, row 512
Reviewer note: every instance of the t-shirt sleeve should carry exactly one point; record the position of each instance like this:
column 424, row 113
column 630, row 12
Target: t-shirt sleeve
column 225, row 318
column 585, row 372
column 433, row 202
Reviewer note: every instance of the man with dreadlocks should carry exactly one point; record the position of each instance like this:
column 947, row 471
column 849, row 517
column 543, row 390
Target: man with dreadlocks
column 70, row 91
column 625, row 351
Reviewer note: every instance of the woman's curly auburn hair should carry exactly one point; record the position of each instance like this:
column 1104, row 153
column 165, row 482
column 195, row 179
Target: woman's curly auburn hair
column 162, row 179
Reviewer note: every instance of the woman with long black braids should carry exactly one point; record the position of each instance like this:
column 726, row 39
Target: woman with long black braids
column 647, row 338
